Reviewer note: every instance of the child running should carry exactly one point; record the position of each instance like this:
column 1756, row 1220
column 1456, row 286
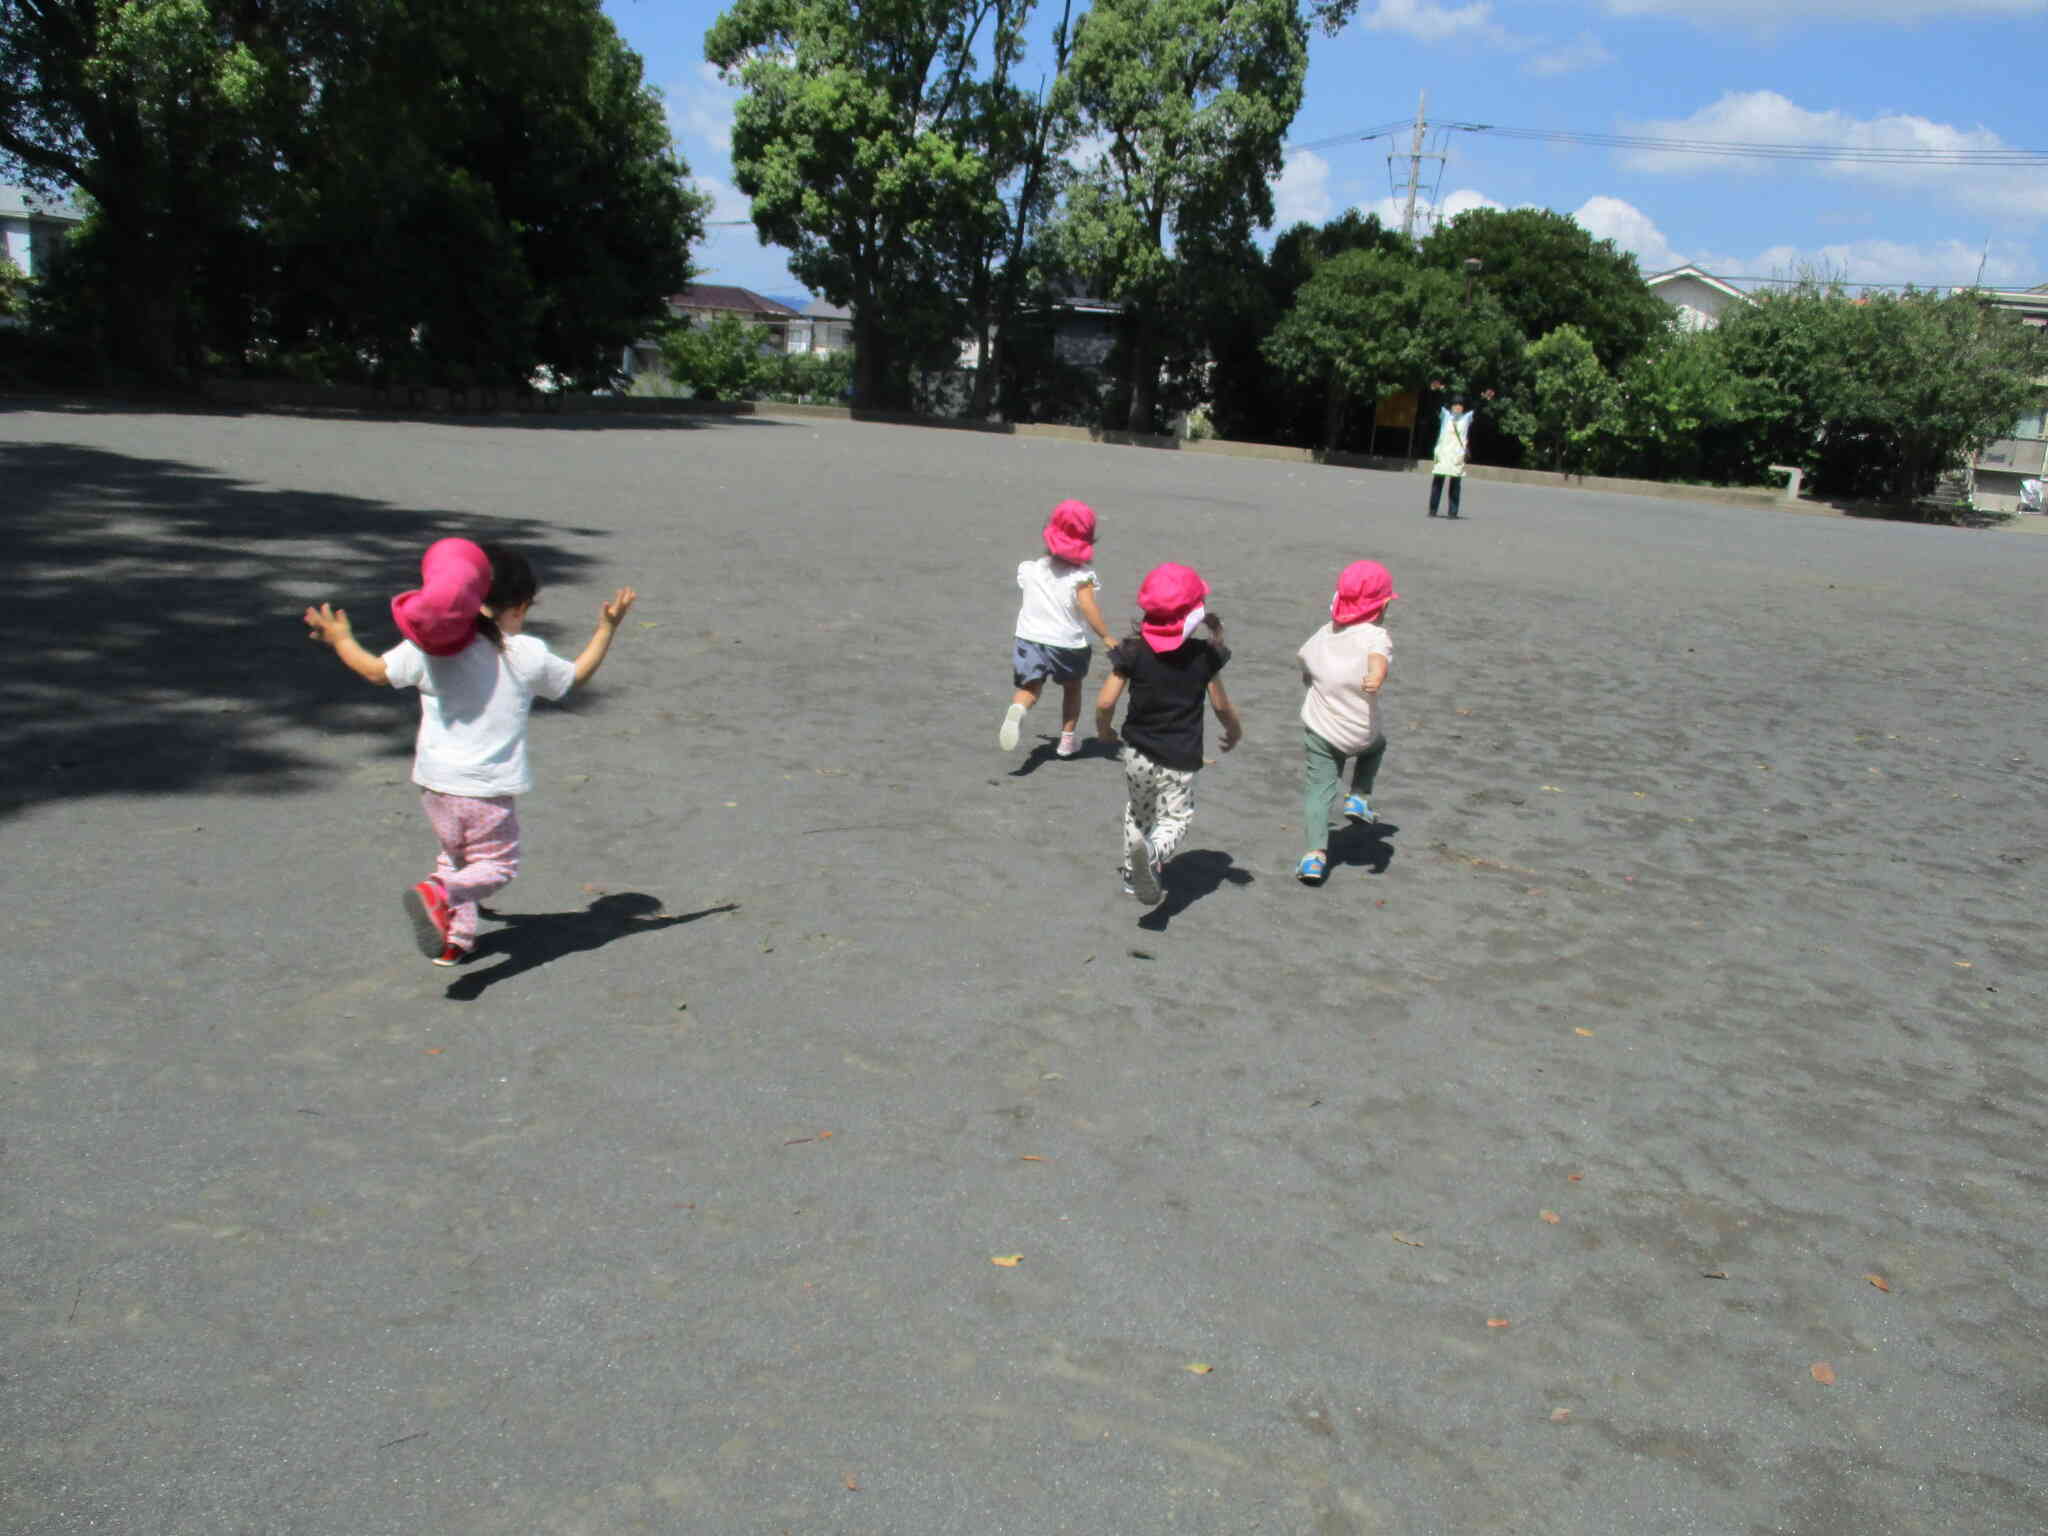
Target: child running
column 1169, row 670
column 1344, row 664
column 1058, row 611
column 477, row 673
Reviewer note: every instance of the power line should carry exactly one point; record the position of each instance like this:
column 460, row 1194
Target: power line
column 1852, row 154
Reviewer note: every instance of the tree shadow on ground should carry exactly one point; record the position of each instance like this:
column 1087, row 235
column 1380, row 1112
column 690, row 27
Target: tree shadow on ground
column 151, row 610
column 530, row 940
column 1363, row 845
column 1190, row 876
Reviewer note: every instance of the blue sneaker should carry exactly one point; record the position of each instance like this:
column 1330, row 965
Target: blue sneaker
column 1356, row 809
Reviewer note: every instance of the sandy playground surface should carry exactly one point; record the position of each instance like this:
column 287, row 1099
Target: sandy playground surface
column 1675, row 1043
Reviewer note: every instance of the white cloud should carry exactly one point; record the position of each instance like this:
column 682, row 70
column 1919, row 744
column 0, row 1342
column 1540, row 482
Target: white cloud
column 1428, row 215
column 701, row 110
column 728, row 202
column 1765, row 117
column 1427, row 21
column 1609, row 218
column 1934, row 263
column 1776, row 14
column 1302, row 192
column 1586, row 52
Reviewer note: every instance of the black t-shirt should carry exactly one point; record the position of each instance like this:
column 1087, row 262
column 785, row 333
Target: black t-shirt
column 1167, row 694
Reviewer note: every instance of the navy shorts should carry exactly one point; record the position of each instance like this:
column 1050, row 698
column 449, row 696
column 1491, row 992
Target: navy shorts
column 1031, row 662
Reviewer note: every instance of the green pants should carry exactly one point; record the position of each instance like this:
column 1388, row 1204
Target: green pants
column 1325, row 773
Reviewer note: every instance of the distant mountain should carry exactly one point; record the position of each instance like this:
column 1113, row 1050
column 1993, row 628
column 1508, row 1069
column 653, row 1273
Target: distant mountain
column 796, row 300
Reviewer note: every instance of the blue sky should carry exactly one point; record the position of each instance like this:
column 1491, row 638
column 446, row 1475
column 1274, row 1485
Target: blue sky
column 1925, row 73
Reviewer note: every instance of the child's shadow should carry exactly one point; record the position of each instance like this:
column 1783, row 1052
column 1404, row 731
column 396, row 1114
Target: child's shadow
column 532, row 939
column 1363, row 844
column 1189, row 878
column 1048, row 751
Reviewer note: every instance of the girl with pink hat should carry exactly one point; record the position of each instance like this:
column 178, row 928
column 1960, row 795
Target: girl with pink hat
column 478, row 674
column 1053, row 624
column 1169, row 671
column 1344, row 665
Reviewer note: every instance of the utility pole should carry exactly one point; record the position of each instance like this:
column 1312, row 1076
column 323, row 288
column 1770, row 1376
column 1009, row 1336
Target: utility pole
column 1412, row 186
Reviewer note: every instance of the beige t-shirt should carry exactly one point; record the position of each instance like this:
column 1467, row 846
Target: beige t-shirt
column 1337, row 707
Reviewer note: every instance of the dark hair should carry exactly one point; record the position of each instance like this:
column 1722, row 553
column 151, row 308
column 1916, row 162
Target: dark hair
column 512, row 586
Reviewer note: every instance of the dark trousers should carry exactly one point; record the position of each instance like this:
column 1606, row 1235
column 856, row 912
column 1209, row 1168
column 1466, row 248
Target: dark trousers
column 1436, row 491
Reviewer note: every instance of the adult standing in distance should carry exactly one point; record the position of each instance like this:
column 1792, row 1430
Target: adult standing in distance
column 1453, row 439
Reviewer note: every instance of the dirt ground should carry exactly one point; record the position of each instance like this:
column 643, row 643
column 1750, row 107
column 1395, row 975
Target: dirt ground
column 1640, row 1132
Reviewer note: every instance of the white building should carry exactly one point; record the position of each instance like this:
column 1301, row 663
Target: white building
column 34, row 223
column 1699, row 297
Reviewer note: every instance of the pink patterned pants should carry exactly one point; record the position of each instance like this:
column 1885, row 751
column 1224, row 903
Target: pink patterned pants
column 479, row 853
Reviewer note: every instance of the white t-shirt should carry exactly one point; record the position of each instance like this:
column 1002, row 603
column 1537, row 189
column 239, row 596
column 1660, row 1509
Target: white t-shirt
column 1337, row 707
column 1050, row 615
column 473, row 709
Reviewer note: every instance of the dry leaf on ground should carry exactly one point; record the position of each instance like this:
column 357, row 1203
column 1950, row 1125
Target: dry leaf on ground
column 1823, row 1373
column 1550, row 1216
column 852, row 1483
column 1030, row 1158
column 1559, row 1415
column 1496, row 1322
column 1199, row 1368
column 1879, row 1281
column 1006, row 1260
column 1574, row 1177
column 1402, row 1237
column 1580, row 1029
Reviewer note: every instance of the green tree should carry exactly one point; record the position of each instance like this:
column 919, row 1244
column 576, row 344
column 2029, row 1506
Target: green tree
column 862, row 140
column 1683, row 412
column 1369, row 321
column 1566, row 402
column 1878, row 395
column 165, row 113
column 725, row 358
column 1189, row 101
column 13, row 287
column 536, row 217
column 1252, row 399
column 1548, row 272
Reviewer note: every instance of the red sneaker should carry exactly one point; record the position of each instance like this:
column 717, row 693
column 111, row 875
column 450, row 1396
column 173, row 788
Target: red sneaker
column 427, row 905
column 451, row 955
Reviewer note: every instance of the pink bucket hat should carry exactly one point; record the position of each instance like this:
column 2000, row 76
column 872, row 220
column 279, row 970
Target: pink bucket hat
column 1171, row 599
column 1363, row 592
column 1070, row 532
column 440, row 618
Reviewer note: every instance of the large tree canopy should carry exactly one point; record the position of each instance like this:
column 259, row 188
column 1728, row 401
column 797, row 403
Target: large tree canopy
column 1367, row 322
column 1547, row 271
column 486, row 185
column 872, row 148
column 1189, row 102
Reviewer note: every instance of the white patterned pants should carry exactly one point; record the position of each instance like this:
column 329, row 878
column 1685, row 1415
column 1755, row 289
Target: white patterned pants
column 1159, row 805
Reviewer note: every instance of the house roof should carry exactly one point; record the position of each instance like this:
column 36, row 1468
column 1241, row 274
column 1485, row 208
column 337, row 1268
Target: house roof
column 819, row 309
column 21, row 201
column 1695, row 273
column 719, row 296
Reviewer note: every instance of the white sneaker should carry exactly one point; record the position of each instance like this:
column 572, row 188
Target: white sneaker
column 1070, row 743
column 1144, row 880
column 1013, row 722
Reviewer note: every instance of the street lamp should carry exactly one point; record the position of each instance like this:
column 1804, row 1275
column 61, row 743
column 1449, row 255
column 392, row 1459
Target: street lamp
column 1472, row 266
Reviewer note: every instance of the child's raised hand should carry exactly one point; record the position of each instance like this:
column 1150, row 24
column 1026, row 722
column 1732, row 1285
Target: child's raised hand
column 621, row 603
column 328, row 625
